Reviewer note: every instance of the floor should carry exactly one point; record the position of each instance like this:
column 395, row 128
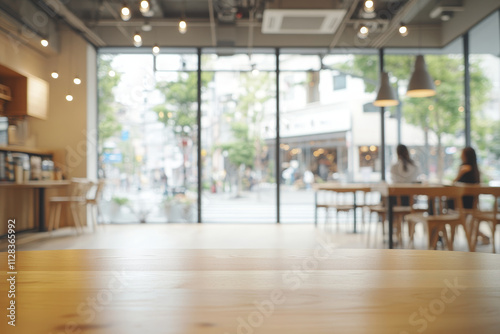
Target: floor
column 216, row 236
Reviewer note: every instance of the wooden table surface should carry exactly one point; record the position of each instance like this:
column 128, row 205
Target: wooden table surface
column 342, row 187
column 319, row 290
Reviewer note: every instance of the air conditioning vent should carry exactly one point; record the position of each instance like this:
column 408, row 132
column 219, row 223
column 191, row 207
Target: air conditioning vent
column 301, row 21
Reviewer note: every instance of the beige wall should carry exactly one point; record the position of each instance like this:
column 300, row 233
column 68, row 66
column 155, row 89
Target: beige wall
column 64, row 132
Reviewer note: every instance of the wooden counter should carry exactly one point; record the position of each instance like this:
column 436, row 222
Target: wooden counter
column 35, row 184
column 25, row 149
column 266, row 291
column 28, row 203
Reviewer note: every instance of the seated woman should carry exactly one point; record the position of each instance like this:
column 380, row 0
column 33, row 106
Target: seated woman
column 468, row 173
column 405, row 170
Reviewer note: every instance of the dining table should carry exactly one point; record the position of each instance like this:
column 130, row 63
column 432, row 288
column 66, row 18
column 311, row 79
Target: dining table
column 316, row 290
column 353, row 188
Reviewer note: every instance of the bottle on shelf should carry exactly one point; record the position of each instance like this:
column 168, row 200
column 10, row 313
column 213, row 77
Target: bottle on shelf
column 9, row 167
column 36, row 168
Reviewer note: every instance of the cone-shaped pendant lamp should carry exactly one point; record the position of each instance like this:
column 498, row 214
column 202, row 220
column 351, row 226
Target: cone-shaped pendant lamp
column 386, row 96
column 421, row 83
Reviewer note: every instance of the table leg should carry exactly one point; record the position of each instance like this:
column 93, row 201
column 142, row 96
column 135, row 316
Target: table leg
column 354, row 206
column 390, row 218
column 41, row 209
column 315, row 208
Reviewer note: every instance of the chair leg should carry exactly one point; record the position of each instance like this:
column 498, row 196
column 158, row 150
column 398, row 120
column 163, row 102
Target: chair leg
column 58, row 215
column 93, row 213
column 52, row 207
column 474, row 232
column 433, row 236
column 398, row 225
column 98, row 213
column 493, row 228
column 411, row 234
column 453, row 230
column 382, row 219
column 75, row 215
column 449, row 243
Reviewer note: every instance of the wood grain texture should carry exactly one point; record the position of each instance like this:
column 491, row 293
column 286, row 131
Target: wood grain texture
column 318, row 290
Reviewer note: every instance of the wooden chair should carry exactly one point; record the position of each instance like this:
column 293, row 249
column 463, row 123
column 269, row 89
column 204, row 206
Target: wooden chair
column 76, row 201
column 340, row 201
column 380, row 209
column 489, row 214
column 93, row 199
column 439, row 216
column 328, row 199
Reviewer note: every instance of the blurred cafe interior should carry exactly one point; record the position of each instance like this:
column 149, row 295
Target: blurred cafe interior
column 215, row 145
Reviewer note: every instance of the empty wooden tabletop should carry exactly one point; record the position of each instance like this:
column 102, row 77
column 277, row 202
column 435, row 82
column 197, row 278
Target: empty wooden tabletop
column 320, row 290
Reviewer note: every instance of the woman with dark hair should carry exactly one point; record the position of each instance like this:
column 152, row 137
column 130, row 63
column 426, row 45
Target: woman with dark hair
column 469, row 173
column 405, row 170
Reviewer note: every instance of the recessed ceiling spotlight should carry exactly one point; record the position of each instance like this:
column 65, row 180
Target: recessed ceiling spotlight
column 144, row 6
column 77, row 81
column 156, row 50
column 403, row 30
column 69, row 97
column 182, row 26
column 363, row 32
column 44, row 43
column 369, row 6
column 125, row 13
column 137, row 40
column 54, row 75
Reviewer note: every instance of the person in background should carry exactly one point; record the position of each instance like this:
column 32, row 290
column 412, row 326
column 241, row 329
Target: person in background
column 469, row 173
column 405, row 170
column 308, row 178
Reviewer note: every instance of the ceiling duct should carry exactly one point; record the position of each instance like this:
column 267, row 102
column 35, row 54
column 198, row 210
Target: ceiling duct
column 226, row 10
column 445, row 9
column 229, row 11
column 302, row 21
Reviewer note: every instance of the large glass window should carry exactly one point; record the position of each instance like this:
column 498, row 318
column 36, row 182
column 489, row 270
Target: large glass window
column 238, row 131
column 485, row 96
column 329, row 128
column 321, row 100
column 432, row 127
column 148, row 137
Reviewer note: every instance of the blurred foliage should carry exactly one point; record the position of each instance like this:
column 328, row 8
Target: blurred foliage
column 108, row 123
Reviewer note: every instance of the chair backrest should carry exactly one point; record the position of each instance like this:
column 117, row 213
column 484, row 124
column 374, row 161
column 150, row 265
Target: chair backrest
column 476, row 191
column 438, row 197
column 78, row 189
column 96, row 190
column 399, row 199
